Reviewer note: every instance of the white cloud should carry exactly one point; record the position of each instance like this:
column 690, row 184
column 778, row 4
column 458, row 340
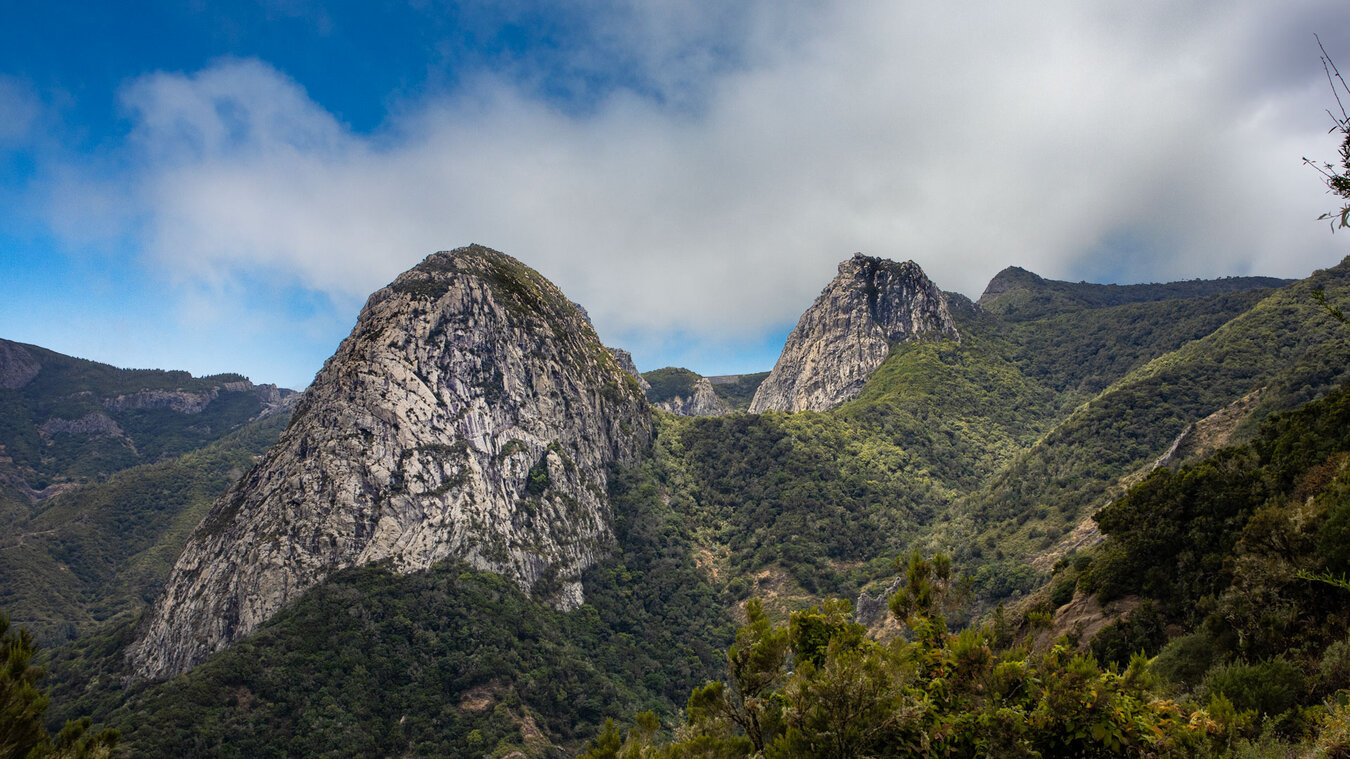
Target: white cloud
column 965, row 137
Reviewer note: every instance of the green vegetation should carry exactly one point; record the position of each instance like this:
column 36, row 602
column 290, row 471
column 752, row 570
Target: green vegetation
column 1239, row 559
column 1337, row 176
column 1022, row 296
column 23, row 709
column 42, row 453
column 1230, row 546
column 821, row 496
column 1285, row 345
column 738, row 392
column 668, row 383
column 818, row 686
column 990, row 448
column 92, row 553
column 453, row 678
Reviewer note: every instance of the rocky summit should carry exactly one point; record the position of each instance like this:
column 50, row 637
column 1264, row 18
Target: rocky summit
column 848, row 332
column 471, row 414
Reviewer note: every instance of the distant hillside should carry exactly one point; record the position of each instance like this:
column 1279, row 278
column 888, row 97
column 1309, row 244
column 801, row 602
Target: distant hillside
column 66, row 421
column 735, row 391
column 1016, row 294
column 96, row 551
column 669, row 383
column 1285, row 345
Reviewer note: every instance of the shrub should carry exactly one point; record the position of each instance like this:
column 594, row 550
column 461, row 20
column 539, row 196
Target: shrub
column 1185, row 660
column 1270, row 687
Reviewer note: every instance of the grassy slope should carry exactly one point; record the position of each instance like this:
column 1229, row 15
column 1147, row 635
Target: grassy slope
column 808, row 504
column 795, row 505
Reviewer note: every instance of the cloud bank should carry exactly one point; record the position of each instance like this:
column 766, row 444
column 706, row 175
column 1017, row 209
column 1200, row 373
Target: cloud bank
column 1126, row 141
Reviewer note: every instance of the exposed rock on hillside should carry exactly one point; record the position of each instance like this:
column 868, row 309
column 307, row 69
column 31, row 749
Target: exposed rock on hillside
column 89, row 424
column 185, row 402
column 625, row 360
column 847, row 333
column 17, row 366
column 472, row 413
column 703, row 401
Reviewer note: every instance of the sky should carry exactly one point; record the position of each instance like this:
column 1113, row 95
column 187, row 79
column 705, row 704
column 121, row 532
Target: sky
column 218, row 186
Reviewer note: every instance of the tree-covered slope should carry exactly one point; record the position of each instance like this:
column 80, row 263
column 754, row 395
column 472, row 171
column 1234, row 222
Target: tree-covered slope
column 1240, row 561
column 989, row 447
column 669, row 382
column 103, row 549
column 65, row 420
column 1285, row 345
column 1016, row 294
column 822, row 500
column 462, row 662
column 738, row 389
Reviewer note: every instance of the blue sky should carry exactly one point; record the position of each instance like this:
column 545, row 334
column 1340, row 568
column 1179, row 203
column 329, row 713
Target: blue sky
column 218, row 186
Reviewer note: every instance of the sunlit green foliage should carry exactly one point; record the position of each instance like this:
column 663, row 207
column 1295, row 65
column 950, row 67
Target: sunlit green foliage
column 740, row 392
column 669, row 382
column 1232, row 553
column 837, row 693
column 1285, row 346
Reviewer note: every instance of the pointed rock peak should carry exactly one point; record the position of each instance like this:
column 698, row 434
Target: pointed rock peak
column 847, row 333
column 472, row 414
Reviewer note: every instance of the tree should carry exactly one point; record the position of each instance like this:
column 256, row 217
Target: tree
column 755, row 670
column 23, row 709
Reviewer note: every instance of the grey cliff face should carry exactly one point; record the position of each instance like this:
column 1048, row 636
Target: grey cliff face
column 848, row 332
column 184, row 402
column 703, row 401
column 625, row 360
column 471, row 414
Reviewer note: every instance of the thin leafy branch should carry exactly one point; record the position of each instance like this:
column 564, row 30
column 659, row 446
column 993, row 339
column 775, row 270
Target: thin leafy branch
column 1337, row 178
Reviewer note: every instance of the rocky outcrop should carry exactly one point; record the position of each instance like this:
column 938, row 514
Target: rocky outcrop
column 625, row 360
column 848, row 332
column 173, row 400
column 471, row 414
column 89, row 424
column 184, row 402
column 17, row 366
column 702, row 401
